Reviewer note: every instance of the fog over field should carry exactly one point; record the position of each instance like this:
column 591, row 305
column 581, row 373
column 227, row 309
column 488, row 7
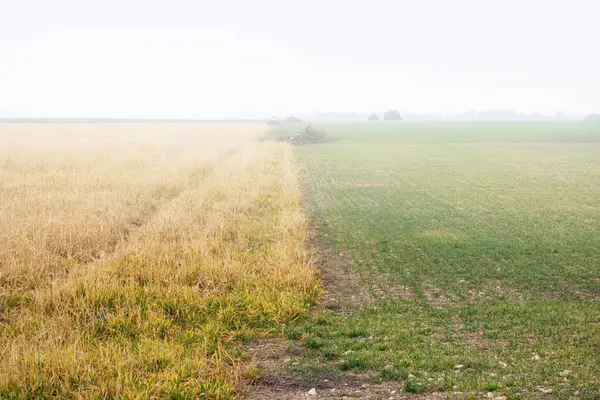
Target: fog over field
column 201, row 59
column 331, row 199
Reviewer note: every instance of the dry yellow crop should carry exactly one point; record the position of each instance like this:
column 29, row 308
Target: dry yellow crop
column 133, row 257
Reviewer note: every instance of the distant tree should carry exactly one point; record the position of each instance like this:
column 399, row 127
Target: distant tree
column 392, row 115
column 592, row 117
column 374, row 117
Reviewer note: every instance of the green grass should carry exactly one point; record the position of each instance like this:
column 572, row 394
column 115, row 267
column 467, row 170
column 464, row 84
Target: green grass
column 480, row 244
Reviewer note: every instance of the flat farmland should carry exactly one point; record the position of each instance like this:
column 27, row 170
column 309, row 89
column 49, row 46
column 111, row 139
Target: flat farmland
column 478, row 247
column 135, row 259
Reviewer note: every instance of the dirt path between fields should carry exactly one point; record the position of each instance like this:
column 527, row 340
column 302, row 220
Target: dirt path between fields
column 345, row 291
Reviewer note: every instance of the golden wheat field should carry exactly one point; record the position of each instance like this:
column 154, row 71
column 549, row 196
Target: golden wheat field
column 135, row 258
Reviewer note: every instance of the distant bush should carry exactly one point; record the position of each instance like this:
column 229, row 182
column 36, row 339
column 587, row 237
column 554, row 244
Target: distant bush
column 374, row 117
column 392, row 115
column 315, row 136
column 304, row 136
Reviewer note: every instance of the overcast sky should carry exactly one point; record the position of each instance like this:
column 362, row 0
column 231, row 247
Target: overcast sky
column 219, row 58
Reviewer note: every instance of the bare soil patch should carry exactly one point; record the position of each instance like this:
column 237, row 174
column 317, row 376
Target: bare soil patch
column 271, row 357
column 344, row 289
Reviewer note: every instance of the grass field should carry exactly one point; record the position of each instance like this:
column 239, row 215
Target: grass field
column 134, row 258
column 480, row 247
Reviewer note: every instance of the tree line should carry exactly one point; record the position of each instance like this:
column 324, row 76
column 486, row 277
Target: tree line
column 389, row 115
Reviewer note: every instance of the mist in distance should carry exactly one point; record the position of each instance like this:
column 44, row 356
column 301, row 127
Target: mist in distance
column 232, row 59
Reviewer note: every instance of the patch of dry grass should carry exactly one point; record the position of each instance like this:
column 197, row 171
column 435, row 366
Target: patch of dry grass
column 134, row 257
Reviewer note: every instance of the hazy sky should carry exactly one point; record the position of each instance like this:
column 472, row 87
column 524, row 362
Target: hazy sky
column 219, row 58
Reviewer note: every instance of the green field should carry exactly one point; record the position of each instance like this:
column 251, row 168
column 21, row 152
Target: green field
column 479, row 244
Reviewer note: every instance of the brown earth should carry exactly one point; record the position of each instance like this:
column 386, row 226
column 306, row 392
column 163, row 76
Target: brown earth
column 276, row 382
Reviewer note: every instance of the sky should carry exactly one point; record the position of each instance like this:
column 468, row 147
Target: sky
column 223, row 59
